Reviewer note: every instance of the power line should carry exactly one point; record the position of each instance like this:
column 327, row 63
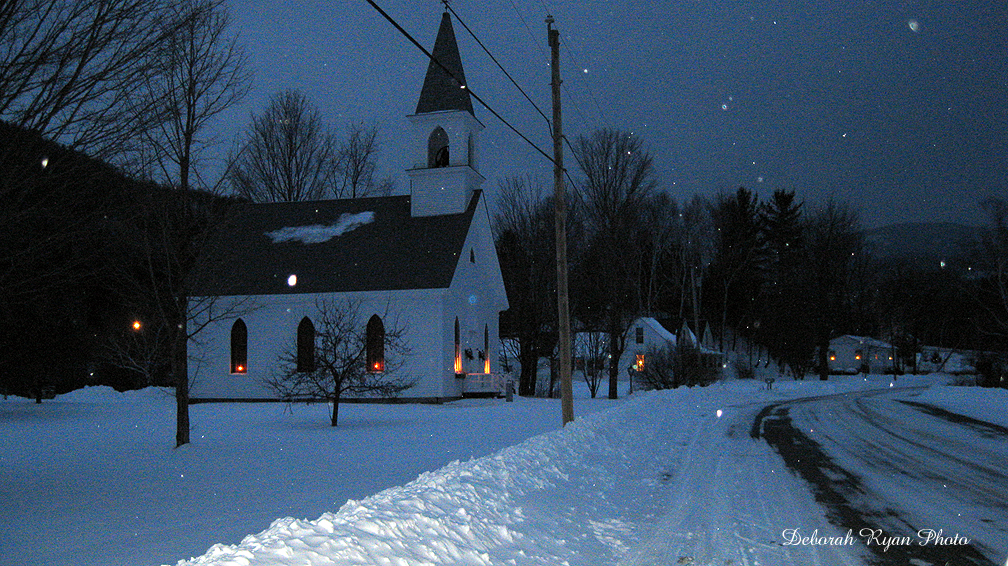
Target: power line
column 501, row 67
column 457, row 81
column 531, row 35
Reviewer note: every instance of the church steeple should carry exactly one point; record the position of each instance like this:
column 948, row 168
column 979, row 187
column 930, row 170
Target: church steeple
column 445, row 135
column 443, row 90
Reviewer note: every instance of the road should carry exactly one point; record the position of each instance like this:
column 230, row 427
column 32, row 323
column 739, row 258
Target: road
column 848, row 478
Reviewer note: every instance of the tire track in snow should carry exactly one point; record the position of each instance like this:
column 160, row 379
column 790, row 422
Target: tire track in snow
column 730, row 500
column 836, row 488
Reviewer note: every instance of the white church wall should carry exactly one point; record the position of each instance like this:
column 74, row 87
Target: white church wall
column 272, row 327
column 477, row 296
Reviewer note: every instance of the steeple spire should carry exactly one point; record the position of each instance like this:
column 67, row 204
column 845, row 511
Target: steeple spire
column 440, row 90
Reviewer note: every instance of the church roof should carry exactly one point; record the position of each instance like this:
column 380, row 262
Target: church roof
column 364, row 244
column 440, row 91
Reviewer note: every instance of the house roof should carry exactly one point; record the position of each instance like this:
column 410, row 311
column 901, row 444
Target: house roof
column 364, row 244
column 440, row 90
column 658, row 329
column 861, row 341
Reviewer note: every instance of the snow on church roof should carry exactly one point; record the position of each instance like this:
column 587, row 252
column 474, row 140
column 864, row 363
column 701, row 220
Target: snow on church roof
column 319, row 233
column 364, row 244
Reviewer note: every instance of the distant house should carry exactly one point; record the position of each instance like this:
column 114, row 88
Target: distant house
column 427, row 258
column 645, row 333
column 848, row 354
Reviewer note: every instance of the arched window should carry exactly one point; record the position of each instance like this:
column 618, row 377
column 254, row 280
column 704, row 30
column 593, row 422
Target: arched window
column 486, row 348
column 375, row 344
column 437, row 148
column 458, row 348
column 239, row 347
column 306, row 346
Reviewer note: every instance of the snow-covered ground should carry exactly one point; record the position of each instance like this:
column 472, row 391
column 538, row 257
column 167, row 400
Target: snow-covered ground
column 657, row 478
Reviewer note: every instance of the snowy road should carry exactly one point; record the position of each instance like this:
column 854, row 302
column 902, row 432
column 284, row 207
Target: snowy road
column 847, row 478
column 731, row 500
column 876, row 461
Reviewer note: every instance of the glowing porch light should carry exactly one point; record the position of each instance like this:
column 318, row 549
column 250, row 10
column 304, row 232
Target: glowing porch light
column 137, row 325
column 239, row 369
column 292, row 280
column 45, row 162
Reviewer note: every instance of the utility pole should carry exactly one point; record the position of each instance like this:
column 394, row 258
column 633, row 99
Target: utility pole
column 560, row 207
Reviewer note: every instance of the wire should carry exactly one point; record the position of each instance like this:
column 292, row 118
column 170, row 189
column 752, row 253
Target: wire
column 574, row 53
column 531, row 35
column 501, row 67
column 450, row 74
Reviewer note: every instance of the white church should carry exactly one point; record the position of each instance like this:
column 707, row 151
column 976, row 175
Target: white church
column 427, row 257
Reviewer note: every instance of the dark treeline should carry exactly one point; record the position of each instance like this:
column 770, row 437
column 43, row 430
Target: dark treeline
column 79, row 265
column 135, row 83
column 769, row 271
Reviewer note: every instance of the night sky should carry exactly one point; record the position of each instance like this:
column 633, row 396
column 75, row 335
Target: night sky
column 899, row 108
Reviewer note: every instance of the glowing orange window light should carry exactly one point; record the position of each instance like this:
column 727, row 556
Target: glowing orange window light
column 239, row 369
column 639, row 365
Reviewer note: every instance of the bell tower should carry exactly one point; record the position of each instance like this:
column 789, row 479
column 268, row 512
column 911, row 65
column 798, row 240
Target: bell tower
column 445, row 157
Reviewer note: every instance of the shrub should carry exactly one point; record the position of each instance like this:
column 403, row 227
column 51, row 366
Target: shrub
column 991, row 369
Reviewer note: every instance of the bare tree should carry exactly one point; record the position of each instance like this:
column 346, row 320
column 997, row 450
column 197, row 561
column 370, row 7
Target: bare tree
column 618, row 178
column 834, row 240
column 738, row 257
column 523, row 229
column 595, row 354
column 289, row 154
column 694, row 249
column 356, row 164
column 171, row 249
column 660, row 226
column 341, row 364
column 169, row 253
column 201, row 74
column 69, row 69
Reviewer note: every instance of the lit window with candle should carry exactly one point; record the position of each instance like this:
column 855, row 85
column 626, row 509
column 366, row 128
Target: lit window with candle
column 239, row 347
column 375, row 344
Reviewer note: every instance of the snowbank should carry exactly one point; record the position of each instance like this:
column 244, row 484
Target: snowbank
column 981, row 403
